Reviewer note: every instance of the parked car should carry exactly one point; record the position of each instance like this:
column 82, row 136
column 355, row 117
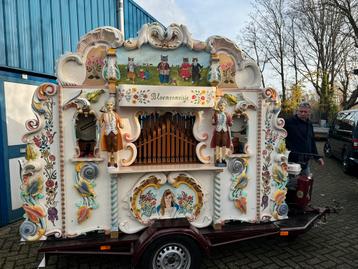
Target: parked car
column 342, row 141
column 320, row 132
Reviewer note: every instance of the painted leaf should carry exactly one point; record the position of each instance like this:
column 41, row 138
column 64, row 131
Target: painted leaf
column 242, row 182
column 34, row 212
column 241, row 204
column 30, row 153
column 83, row 214
column 78, row 167
column 281, row 147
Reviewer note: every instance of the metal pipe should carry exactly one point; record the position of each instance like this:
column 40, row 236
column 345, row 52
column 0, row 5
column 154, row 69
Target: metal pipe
column 120, row 16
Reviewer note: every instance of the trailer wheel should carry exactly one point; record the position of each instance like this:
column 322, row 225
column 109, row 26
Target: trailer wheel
column 174, row 252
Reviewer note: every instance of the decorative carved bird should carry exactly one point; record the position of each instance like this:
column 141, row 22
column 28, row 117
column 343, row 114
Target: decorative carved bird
column 93, row 97
column 231, row 99
column 84, row 188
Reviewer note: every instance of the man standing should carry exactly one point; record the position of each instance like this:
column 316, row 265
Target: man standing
column 300, row 139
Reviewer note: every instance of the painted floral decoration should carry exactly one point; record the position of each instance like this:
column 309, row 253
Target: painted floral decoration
column 94, row 67
column 147, row 203
column 86, row 173
column 240, row 180
column 43, row 142
column 201, row 97
column 185, row 202
column 31, row 192
column 135, row 96
column 228, row 72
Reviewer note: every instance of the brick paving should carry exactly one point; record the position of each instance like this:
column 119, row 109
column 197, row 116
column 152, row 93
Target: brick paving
column 333, row 244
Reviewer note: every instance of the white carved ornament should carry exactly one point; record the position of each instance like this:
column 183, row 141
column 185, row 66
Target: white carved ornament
column 170, row 38
column 71, row 69
column 247, row 71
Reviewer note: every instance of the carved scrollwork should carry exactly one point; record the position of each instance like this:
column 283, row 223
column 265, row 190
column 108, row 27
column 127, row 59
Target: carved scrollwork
column 199, row 153
column 236, row 166
column 42, row 107
column 65, row 67
column 249, row 66
column 56, row 232
column 109, row 36
column 158, row 37
column 271, row 96
column 244, row 103
column 198, row 120
column 219, row 43
column 132, row 155
column 137, row 129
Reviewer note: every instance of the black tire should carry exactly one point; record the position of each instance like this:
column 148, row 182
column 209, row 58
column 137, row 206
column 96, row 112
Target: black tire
column 327, row 150
column 172, row 252
column 346, row 166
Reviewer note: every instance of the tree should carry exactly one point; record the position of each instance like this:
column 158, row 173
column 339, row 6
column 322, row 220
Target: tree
column 252, row 46
column 270, row 19
column 308, row 40
column 347, row 81
column 349, row 9
column 290, row 105
column 321, row 44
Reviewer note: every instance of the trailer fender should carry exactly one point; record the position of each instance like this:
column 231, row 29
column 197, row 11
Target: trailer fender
column 155, row 232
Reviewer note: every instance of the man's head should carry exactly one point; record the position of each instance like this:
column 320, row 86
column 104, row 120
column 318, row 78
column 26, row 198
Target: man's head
column 110, row 104
column 304, row 111
column 222, row 105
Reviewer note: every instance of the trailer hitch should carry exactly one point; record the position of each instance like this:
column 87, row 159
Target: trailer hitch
column 335, row 209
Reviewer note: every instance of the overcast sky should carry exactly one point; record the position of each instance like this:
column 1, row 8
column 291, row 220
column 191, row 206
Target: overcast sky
column 203, row 18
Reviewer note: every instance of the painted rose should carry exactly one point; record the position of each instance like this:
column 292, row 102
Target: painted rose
column 50, row 183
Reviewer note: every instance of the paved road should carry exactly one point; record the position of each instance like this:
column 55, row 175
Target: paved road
column 333, row 244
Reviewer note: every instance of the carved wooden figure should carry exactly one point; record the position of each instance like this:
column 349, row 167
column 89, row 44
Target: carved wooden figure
column 111, row 138
column 221, row 137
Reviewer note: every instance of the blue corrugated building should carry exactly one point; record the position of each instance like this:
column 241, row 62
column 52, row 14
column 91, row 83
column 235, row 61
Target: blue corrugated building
column 33, row 34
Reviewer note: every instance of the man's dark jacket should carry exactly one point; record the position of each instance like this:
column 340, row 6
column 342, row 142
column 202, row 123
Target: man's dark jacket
column 300, row 139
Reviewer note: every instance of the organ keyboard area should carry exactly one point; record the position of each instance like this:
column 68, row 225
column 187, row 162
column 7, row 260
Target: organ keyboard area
column 166, row 138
